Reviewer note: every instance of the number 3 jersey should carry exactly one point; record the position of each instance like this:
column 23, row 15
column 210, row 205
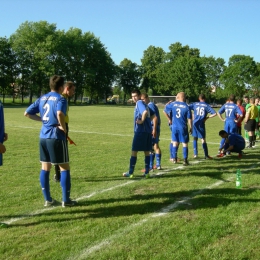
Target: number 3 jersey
column 48, row 105
column 180, row 113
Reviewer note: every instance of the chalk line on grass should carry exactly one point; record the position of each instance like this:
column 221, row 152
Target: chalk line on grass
column 96, row 133
column 121, row 232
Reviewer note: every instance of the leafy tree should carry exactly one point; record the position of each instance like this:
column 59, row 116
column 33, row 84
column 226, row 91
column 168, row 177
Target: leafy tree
column 182, row 71
column 239, row 75
column 152, row 58
column 32, row 43
column 129, row 76
column 8, row 67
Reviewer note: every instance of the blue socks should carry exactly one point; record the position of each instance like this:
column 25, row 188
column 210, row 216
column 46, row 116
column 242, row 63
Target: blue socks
column 65, row 185
column 195, row 147
column 205, row 148
column 147, row 163
column 45, row 184
column 185, row 152
column 133, row 163
column 158, row 159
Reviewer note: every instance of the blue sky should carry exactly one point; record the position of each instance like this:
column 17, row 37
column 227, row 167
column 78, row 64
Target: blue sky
column 219, row 28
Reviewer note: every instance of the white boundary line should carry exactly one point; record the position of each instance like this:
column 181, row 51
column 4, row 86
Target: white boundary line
column 121, row 232
column 96, row 133
column 164, row 211
column 38, row 212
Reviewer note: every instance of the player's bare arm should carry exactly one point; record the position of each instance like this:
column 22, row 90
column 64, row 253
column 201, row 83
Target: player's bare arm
column 220, row 117
column 144, row 115
column 33, row 117
column 2, row 148
column 61, row 119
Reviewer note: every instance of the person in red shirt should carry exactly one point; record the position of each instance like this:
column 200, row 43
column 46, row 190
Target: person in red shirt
column 239, row 123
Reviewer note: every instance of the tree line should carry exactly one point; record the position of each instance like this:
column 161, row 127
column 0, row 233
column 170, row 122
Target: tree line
column 38, row 50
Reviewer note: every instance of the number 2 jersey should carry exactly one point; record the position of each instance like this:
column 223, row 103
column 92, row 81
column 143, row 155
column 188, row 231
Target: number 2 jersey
column 48, row 105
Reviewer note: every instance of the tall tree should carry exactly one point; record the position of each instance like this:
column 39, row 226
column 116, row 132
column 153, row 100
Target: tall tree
column 33, row 44
column 129, row 76
column 239, row 76
column 152, row 58
column 8, row 67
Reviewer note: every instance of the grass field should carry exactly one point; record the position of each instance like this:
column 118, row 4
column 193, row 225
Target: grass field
column 182, row 213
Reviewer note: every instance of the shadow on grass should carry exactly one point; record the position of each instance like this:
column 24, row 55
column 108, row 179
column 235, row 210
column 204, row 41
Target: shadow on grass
column 142, row 205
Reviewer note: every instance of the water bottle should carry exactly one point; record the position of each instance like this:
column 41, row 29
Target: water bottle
column 238, row 179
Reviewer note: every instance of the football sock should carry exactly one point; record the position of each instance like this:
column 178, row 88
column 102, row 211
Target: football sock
column 250, row 141
column 158, row 159
column 185, row 152
column 45, row 184
column 195, row 147
column 146, row 163
column 65, row 185
column 151, row 160
column 174, row 151
column 171, row 151
column 132, row 164
column 205, row 148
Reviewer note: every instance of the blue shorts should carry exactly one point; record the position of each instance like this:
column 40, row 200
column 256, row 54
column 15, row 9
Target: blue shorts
column 199, row 131
column 230, row 127
column 180, row 135
column 142, row 142
column 54, row 151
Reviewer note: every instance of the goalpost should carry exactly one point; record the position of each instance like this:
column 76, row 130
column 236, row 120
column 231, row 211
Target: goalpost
column 162, row 99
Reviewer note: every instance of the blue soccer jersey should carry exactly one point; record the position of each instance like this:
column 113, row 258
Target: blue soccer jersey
column 180, row 113
column 154, row 109
column 47, row 106
column 201, row 109
column 231, row 110
column 146, row 127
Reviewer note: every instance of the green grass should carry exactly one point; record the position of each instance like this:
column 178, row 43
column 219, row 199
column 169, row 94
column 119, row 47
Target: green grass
column 184, row 213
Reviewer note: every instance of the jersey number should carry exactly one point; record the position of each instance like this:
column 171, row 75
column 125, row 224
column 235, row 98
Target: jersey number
column 228, row 112
column 178, row 113
column 45, row 116
column 200, row 111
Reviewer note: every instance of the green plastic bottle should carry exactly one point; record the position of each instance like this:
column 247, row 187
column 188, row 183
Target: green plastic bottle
column 238, row 179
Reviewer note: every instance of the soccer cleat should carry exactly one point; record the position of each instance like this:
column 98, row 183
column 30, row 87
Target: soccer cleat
column 146, row 175
column 57, row 177
column 150, row 169
column 195, row 156
column 185, row 162
column 159, row 167
column 127, row 174
column 69, row 203
column 221, row 155
column 49, row 203
column 208, row 157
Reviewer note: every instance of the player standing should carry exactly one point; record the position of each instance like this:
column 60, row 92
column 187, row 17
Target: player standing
column 156, row 122
column 69, row 91
column 201, row 109
column 142, row 140
column 181, row 114
column 52, row 108
column 231, row 111
column 3, row 135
